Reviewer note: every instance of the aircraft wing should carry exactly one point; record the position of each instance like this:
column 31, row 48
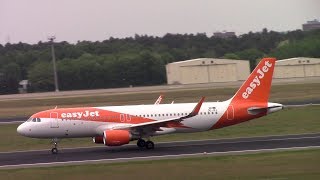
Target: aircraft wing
column 160, row 123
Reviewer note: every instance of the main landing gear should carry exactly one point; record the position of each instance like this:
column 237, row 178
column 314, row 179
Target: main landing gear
column 147, row 144
column 55, row 143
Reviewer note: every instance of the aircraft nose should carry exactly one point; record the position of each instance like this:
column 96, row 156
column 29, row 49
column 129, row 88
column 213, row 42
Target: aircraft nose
column 21, row 129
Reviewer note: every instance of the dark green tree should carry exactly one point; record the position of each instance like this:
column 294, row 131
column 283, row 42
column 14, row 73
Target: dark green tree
column 10, row 75
column 41, row 76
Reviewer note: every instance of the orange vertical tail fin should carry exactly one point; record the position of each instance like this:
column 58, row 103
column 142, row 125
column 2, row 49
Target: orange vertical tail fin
column 257, row 87
column 252, row 95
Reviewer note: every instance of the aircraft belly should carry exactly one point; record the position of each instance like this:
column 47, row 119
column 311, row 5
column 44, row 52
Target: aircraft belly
column 69, row 129
column 80, row 128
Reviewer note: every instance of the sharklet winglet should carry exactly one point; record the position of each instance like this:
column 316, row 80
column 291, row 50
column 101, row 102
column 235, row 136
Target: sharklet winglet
column 197, row 108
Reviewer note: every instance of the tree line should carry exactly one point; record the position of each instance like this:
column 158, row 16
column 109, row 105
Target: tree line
column 138, row 60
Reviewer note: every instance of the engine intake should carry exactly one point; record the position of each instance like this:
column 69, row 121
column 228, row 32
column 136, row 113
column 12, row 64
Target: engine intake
column 116, row 137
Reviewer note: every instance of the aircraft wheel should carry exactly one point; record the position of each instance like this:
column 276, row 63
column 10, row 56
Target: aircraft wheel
column 55, row 143
column 141, row 143
column 149, row 145
column 54, row 151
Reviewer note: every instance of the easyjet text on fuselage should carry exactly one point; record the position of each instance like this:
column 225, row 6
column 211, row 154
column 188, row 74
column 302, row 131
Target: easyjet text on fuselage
column 80, row 115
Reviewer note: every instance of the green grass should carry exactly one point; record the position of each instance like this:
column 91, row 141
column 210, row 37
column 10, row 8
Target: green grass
column 304, row 164
column 289, row 121
column 25, row 108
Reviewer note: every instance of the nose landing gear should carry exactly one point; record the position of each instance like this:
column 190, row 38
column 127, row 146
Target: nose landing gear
column 55, row 143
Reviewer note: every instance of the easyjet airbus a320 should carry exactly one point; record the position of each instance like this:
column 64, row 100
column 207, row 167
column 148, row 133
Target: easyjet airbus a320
column 118, row 125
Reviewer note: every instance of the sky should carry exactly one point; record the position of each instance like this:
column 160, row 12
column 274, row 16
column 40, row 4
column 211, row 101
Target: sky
column 31, row 21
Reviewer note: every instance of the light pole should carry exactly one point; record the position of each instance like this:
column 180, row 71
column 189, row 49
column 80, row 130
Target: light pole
column 56, row 85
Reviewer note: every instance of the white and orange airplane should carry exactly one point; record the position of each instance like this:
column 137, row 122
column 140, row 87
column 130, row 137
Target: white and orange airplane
column 118, row 125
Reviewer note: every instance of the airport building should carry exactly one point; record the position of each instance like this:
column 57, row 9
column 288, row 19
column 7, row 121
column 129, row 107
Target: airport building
column 207, row 70
column 311, row 25
column 299, row 67
column 224, row 34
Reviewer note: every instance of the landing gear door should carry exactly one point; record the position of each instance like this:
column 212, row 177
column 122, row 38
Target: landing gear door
column 54, row 120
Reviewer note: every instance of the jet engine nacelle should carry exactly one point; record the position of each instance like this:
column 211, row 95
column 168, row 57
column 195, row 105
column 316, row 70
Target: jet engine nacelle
column 98, row 139
column 116, row 137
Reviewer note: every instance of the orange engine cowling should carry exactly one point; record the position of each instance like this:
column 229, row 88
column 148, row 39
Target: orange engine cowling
column 116, row 137
column 98, row 139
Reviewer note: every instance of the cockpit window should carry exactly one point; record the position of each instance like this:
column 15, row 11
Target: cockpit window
column 34, row 119
column 31, row 119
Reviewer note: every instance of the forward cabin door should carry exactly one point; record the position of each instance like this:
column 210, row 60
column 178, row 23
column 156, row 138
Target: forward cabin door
column 54, row 120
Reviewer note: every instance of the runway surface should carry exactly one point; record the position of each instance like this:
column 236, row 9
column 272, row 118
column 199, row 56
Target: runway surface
column 162, row 150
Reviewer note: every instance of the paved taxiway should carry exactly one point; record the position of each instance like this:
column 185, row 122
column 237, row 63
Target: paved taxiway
column 166, row 150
